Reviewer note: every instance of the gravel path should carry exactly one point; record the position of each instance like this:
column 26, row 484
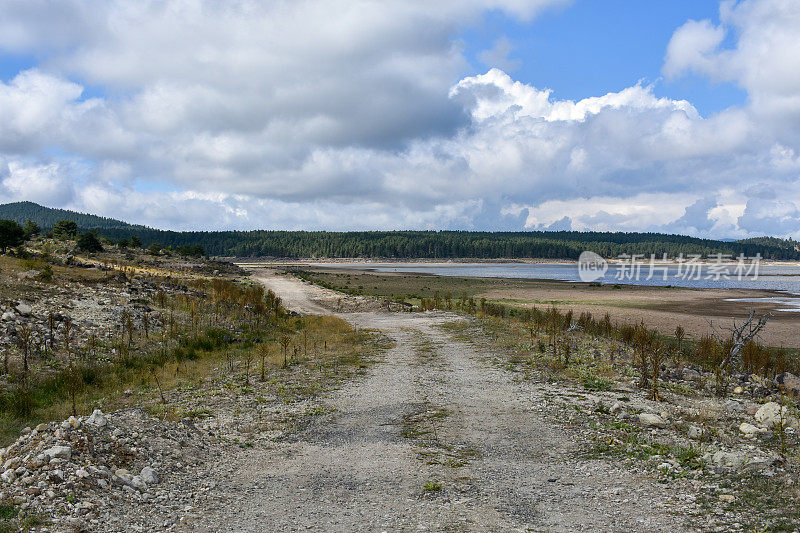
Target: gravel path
column 433, row 438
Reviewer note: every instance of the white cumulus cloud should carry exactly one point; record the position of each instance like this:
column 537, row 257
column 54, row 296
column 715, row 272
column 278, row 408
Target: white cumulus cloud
column 343, row 115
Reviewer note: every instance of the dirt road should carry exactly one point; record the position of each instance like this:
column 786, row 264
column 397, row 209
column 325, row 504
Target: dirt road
column 434, row 438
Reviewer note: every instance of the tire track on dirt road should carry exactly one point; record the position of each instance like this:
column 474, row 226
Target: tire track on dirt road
column 502, row 466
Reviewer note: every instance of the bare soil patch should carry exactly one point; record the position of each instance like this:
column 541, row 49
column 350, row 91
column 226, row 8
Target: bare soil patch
column 662, row 308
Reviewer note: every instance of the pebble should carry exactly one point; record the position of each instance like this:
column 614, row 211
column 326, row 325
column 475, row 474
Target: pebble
column 651, row 420
column 59, row 452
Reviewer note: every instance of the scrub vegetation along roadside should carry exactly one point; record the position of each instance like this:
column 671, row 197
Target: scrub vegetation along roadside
column 661, row 308
column 189, row 341
column 659, row 403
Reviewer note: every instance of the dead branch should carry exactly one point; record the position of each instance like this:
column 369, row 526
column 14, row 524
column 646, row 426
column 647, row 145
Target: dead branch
column 739, row 335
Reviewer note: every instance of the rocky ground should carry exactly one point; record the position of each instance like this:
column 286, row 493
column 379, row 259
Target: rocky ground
column 94, row 310
column 443, row 433
column 434, row 439
column 80, row 474
column 96, row 294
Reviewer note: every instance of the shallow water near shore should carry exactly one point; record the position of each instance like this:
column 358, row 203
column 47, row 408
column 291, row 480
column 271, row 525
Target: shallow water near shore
column 782, row 278
column 770, row 277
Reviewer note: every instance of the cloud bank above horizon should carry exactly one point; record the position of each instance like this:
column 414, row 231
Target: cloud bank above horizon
column 197, row 114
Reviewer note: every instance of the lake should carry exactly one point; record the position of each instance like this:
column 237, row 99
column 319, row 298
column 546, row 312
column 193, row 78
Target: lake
column 783, row 277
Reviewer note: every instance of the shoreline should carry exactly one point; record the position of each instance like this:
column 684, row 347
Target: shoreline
column 249, row 261
column 560, row 282
column 660, row 307
column 366, row 266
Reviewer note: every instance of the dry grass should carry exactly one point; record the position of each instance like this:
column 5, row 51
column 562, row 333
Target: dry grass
column 208, row 332
column 334, row 351
column 662, row 308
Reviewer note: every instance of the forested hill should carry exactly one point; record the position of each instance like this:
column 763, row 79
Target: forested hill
column 408, row 244
column 786, row 244
column 46, row 217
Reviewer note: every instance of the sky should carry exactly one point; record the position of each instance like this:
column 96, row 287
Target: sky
column 679, row 116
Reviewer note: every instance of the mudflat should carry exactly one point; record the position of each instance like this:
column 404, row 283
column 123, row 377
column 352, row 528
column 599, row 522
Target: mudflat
column 662, row 308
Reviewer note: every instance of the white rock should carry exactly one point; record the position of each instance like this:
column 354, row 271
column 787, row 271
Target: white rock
column 769, row 414
column 8, row 315
column 755, row 464
column 651, row 420
column 28, row 274
column 616, row 408
column 749, row 429
column 695, row 433
column 149, row 476
column 138, row 483
column 8, row 476
column 729, row 459
column 74, row 423
column 97, row 419
column 59, row 452
column 691, row 375
column 23, row 309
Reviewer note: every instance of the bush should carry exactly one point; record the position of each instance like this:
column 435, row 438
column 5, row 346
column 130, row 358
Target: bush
column 542, row 346
column 11, row 234
column 65, row 229
column 89, row 242
column 45, row 270
column 190, row 250
column 31, row 228
column 46, row 273
column 19, row 401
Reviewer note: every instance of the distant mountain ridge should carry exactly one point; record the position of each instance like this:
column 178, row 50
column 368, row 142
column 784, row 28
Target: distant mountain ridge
column 46, row 217
column 409, row 244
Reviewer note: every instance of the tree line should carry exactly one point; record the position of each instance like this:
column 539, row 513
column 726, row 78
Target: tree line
column 447, row 244
column 405, row 244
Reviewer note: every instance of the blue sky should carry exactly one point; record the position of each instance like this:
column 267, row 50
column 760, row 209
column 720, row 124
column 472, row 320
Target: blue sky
column 593, row 47
column 677, row 116
column 584, row 49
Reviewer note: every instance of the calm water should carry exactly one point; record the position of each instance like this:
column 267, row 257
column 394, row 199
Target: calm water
column 784, row 278
column 781, row 278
